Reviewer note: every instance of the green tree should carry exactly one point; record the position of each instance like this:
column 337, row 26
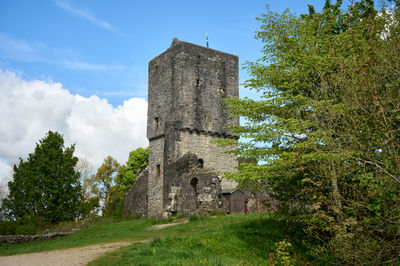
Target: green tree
column 101, row 183
column 137, row 162
column 327, row 126
column 91, row 204
column 85, row 168
column 45, row 186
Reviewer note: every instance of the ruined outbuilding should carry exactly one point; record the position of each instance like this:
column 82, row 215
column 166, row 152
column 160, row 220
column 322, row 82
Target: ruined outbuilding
column 187, row 84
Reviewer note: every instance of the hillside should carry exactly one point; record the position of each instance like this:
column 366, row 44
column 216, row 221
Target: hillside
column 221, row 240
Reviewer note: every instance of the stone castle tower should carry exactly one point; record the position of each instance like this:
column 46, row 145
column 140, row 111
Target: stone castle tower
column 186, row 86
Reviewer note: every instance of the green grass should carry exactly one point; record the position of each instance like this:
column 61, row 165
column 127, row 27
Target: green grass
column 226, row 240
column 223, row 240
column 119, row 231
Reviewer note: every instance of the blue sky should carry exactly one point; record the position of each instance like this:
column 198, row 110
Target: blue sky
column 103, row 47
column 80, row 67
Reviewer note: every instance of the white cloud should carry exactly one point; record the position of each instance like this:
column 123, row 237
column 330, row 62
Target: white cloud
column 5, row 176
column 114, row 131
column 5, row 171
column 86, row 14
column 29, row 109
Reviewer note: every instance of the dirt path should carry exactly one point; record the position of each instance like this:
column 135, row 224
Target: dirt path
column 162, row 226
column 71, row 256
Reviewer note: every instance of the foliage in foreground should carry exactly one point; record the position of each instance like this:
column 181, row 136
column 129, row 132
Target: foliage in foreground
column 46, row 186
column 327, row 126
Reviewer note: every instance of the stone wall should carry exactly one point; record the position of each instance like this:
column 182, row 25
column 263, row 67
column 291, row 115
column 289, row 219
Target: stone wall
column 155, row 177
column 199, row 194
column 261, row 201
column 13, row 239
column 173, row 172
column 200, row 144
column 191, row 190
column 212, row 156
column 136, row 200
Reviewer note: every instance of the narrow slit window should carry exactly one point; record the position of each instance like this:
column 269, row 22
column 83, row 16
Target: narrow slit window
column 158, row 170
column 156, row 123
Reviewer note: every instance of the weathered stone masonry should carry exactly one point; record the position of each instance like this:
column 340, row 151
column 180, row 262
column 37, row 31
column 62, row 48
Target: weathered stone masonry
column 186, row 86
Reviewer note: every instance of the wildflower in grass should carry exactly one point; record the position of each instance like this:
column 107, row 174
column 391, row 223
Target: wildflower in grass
column 204, row 261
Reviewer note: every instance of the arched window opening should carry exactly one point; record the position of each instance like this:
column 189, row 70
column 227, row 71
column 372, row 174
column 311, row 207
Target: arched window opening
column 201, row 163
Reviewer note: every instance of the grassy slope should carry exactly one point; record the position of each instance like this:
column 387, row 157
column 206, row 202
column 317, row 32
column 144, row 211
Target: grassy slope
column 226, row 240
column 125, row 230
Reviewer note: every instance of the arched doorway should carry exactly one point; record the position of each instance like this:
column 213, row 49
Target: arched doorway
column 193, row 184
column 192, row 201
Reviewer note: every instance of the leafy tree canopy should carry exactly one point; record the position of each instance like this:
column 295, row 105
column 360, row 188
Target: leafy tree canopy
column 46, row 186
column 327, row 126
column 100, row 184
column 137, row 162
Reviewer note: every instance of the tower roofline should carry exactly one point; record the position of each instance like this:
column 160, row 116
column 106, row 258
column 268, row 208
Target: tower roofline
column 178, row 45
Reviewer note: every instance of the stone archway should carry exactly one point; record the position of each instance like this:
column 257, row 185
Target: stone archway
column 192, row 201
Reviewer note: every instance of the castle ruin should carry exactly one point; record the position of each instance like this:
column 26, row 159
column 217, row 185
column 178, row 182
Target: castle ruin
column 187, row 84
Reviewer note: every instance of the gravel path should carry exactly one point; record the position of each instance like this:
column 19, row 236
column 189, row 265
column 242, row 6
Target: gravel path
column 162, row 226
column 71, row 256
